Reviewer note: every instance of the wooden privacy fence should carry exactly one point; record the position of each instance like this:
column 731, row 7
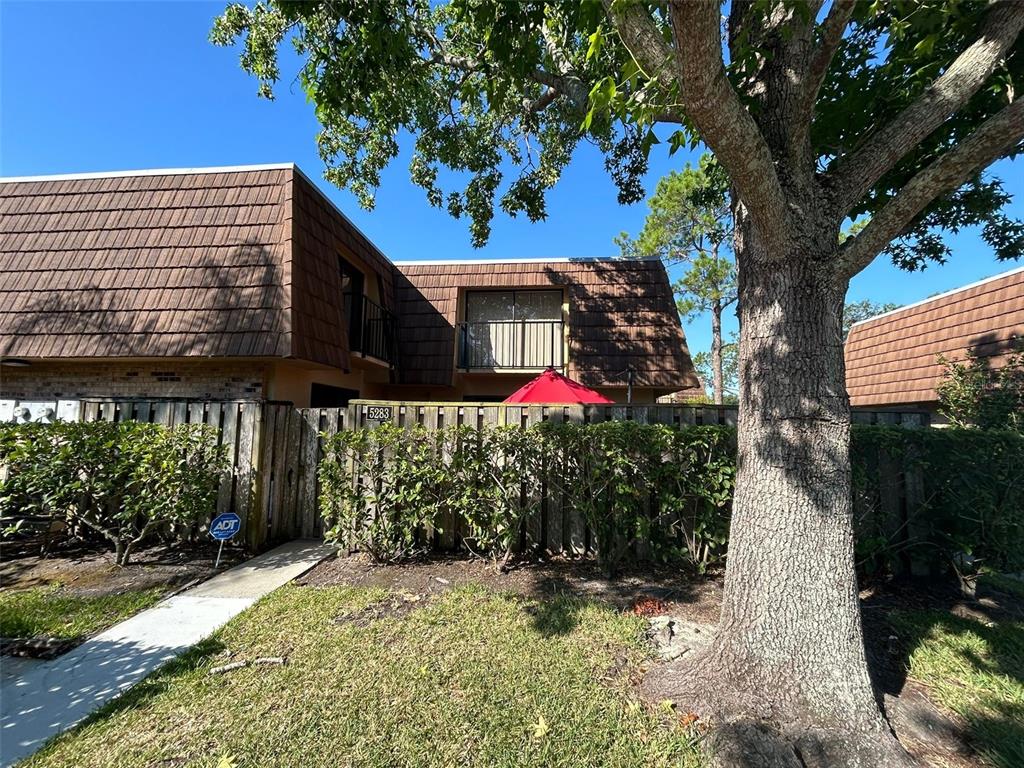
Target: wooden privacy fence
column 274, row 449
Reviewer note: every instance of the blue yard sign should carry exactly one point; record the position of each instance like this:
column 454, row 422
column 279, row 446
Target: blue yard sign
column 223, row 527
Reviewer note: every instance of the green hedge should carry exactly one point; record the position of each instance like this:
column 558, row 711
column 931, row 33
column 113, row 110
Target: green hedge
column 123, row 482
column 960, row 499
column 424, row 480
column 924, row 497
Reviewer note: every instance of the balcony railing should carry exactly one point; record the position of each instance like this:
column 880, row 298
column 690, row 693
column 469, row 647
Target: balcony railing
column 513, row 344
column 375, row 332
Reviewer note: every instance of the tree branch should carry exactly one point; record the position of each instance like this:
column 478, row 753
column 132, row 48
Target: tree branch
column 542, row 102
column 643, row 40
column 832, row 29
column 954, row 168
column 567, row 85
column 725, row 125
column 943, row 98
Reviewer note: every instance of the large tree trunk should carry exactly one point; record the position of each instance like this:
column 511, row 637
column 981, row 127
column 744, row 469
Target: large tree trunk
column 786, row 676
column 716, row 352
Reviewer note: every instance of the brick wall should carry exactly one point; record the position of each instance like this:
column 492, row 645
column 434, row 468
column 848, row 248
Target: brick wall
column 160, row 378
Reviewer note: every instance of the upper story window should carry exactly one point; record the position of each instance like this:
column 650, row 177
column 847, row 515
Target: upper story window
column 504, row 306
column 352, row 281
column 512, row 329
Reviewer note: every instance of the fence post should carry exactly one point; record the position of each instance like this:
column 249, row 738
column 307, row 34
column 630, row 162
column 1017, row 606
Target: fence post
column 307, row 475
column 247, row 475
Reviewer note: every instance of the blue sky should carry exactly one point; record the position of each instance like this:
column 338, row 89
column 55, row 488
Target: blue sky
column 114, row 86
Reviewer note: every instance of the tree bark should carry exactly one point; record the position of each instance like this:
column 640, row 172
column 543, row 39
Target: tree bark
column 786, row 679
column 716, row 352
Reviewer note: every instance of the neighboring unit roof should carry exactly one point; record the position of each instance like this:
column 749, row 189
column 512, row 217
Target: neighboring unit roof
column 893, row 358
column 621, row 314
column 145, row 264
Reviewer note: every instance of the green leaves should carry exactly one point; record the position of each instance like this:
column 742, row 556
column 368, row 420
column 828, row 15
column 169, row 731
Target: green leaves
column 123, row 481
column 650, row 486
column 501, row 93
column 596, row 40
column 600, row 99
column 972, row 498
column 384, row 490
column 496, row 93
column 657, row 489
column 974, row 395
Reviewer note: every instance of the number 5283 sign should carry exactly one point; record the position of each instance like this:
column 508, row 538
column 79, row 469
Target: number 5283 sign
column 378, row 413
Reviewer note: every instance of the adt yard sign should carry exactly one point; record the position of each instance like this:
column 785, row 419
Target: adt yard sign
column 225, row 526
column 222, row 528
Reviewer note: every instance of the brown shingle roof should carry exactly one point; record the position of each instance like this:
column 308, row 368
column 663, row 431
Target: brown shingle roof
column 244, row 263
column 621, row 314
column 321, row 234
column 213, row 262
column 892, row 359
column 145, row 265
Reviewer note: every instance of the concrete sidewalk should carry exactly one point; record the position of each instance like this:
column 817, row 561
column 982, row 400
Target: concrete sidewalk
column 52, row 696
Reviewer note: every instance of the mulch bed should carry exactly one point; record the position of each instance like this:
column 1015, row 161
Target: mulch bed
column 677, row 592
column 89, row 572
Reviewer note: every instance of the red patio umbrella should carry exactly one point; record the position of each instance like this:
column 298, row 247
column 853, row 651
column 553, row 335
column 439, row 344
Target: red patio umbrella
column 553, row 387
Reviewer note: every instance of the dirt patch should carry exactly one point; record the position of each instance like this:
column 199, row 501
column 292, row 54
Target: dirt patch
column 395, row 606
column 933, row 735
column 92, row 573
column 696, row 598
column 36, row 647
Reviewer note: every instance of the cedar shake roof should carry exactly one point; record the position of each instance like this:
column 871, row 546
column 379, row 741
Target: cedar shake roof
column 892, row 359
column 621, row 313
column 174, row 264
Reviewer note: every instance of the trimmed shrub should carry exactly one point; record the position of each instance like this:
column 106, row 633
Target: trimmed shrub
column 666, row 490
column 124, row 482
column 495, row 475
column 665, row 494
column 958, row 502
column 388, row 490
column 381, row 489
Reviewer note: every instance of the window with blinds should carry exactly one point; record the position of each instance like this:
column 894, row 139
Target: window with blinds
column 512, row 329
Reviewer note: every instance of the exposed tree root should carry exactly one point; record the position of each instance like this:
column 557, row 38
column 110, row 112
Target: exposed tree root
column 751, row 731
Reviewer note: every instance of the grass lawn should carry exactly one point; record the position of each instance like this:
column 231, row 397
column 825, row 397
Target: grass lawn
column 50, row 611
column 470, row 677
column 975, row 670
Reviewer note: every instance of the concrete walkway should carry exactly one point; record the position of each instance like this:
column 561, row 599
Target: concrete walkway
column 52, row 696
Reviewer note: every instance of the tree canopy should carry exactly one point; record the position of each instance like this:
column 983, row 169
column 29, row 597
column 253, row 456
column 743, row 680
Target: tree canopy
column 730, row 367
column 690, row 222
column 504, row 92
